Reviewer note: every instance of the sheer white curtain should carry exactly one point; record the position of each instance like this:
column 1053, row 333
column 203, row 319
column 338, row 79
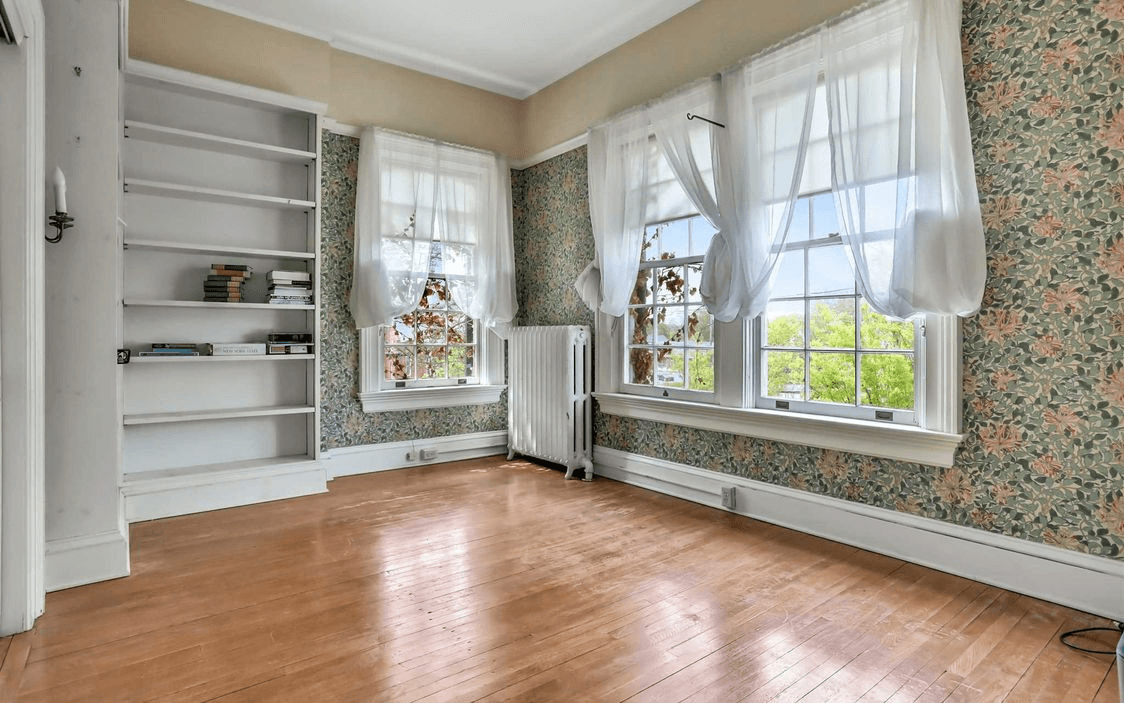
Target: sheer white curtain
column 760, row 157
column 422, row 206
column 903, row 172
column 618, row 158
column 394, row 216
column 474, row 228
column 688, row 146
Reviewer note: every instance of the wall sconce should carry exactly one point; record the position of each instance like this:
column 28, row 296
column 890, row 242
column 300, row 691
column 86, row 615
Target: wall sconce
column 60, row 220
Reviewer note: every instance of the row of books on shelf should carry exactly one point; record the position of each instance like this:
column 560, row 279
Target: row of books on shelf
column 277, row 343
column 226, row 284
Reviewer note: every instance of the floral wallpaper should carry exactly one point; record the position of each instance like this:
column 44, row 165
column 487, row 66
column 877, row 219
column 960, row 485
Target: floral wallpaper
column 342, row 420
column 1043, row 457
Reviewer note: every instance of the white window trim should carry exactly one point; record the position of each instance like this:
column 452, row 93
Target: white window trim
column 933, row 442
column 378, row 400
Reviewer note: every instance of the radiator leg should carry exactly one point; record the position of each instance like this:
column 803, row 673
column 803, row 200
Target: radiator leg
column 588, row 466
column 570, row 471
column 510, row 454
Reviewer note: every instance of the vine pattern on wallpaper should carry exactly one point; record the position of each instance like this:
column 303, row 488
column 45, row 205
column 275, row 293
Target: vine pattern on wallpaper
column 1043, row 361
column 342, row 420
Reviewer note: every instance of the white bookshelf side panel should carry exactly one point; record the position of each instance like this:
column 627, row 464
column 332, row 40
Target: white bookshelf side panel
column 168, row 388
column 177, row 219
column 215, row 114
column 145, row 325
column 170, row 446
column 149, row 161
column 156, row 275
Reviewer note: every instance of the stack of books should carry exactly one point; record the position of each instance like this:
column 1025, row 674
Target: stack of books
column 171, row 349
column 225, row 283
column 290, row 288
column 290, row 343
column 234, row 348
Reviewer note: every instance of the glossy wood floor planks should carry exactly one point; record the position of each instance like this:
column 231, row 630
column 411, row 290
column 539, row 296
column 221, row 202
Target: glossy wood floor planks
column 494, row 581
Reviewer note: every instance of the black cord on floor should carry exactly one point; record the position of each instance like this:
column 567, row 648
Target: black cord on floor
column 1118, row 627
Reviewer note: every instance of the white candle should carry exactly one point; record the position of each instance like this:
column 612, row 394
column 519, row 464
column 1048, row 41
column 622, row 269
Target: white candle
column 60, row 190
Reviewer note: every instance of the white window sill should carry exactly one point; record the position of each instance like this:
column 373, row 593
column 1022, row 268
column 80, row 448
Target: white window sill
column 424, row 398
column 887, row 441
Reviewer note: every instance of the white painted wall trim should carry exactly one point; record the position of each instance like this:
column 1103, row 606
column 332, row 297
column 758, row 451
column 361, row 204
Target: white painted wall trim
column 80, row 560
column 435, row 397
column 165, row 496
column 547, row 154
column 336, row 127
column 22, row 220
column 369, row 458
column 136, row 69
column 888, row 441
column 1088, row 583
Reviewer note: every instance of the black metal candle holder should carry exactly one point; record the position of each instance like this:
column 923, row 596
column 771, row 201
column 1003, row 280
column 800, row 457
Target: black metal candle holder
column 60, row 221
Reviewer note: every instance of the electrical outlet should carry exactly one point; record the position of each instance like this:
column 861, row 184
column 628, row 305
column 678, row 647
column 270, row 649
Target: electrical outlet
column 428, row 454
column 411, row 456
column 729, row 497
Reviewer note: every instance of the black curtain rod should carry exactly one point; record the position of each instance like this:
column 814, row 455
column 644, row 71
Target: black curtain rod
column 704, row 119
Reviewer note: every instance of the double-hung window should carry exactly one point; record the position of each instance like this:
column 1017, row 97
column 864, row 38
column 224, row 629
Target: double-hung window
column 434, row 273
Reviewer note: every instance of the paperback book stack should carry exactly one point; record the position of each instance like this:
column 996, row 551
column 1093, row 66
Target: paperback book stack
column 290, row 343
column 171, row 349
column 225, row 283
column 290, row 288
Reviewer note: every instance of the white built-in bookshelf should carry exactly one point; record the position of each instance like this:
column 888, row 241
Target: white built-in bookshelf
column 216, row 173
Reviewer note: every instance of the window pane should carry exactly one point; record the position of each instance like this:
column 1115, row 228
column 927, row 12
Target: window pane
column 824, row 221
column 670, row 285
column 700, row 326
column 671, row 320
column 784, row 375
column 829, row 271
column 460, row 329
column 785, row 325
column 832, row 325
column 431, row 362
column 398, row 363
column 832, row 378
column 435, row 295
column 798, row 230
column 880, row 332
column 694, row 280
column 461, row 362
column 701, row 234
column 640, row 326
column 789, row 282
column 887, row 381
column 430, row 327
column 700, row 369
column 675, row 239
column 642, row 293
column 640, row 363
column 669, row 368
column 401, row 332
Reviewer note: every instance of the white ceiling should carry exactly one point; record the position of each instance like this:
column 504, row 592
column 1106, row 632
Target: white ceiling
column 511, row 47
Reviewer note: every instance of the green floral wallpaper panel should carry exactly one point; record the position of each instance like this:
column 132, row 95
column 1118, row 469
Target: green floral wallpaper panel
column 1043, row 457
column 342, row 420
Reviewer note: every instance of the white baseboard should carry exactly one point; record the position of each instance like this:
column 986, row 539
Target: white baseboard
column 1087, row 583
column 80, row 560
column 368, row 458
column 167, row 496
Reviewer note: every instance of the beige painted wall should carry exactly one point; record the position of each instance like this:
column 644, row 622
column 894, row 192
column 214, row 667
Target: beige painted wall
column 357, row 90
column 701, row 40
column 697, row 42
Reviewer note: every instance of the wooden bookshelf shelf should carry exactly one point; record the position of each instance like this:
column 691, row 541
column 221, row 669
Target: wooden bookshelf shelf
column 227, row 414
column 199, row 140
column 209, row 471
column 206, row 304
column 216, row 249
column 175, row 190
column 172, row 359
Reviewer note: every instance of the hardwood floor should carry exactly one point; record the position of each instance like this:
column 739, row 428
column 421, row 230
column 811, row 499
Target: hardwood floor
column 493, row 581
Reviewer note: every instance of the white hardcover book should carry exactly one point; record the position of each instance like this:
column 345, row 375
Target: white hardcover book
column 236, row 349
